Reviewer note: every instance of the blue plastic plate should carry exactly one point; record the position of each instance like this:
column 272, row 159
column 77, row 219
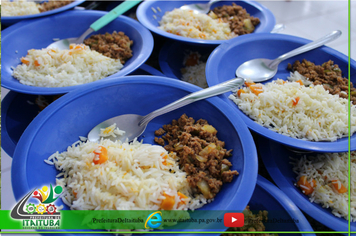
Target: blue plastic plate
column 76, row 113
column 172, row 55
column 39, row 33
column 225, row 59
column 9, row 20
column 275, row 156
column 145, row 16
column 14, row 120
column 280, row 208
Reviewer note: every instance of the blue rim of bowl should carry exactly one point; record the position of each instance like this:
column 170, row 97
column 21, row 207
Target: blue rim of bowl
column 145, row 54
column 150, row 70
column 286, row 202
column 295, row 195
column 144, row 21
column 250, row 167
column 163, row 60
column 212, row 79
column 6, row 20
column 7, row 142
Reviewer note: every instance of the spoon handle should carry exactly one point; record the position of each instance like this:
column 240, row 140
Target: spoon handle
column 193, row 97
column 307, row 47
column 113, row 14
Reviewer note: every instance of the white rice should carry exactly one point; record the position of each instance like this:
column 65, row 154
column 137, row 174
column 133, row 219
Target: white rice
column 61, row 68
column 19, row 8
column 317, row 116
column 135, row 177
column 293, row 77
column 111, row 131
column 199, row 26
column 194, row 74
column 324, row 168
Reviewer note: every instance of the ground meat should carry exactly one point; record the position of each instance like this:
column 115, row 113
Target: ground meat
column 201, row 154
column 240, row 21
column 116, row 45
column 51, row 5
column 328, row 74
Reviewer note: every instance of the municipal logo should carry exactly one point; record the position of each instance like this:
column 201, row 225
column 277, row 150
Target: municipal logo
column 43, row 215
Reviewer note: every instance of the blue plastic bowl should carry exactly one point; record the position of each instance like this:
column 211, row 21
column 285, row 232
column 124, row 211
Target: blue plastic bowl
column 275, row 156
column 146, row 70
column 14, row 120
column 172, row 55
column 225, row 59
column 76, row 113
column 39, row 33
column 145, row 16
column 280, row 208
column 9, row 20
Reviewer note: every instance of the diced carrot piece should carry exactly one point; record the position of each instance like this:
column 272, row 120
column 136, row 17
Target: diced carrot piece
column 248, row 84
column 24, row 60
column 168, row 202
column 256, row 88
column 78, row 47
column 300, row 82
column 192, row 60
column 71, row 46
column 240, row 91
column 306, row 188
column 181, row 197
column 100, row 157
column 342, row 188
column 295, row 101
column 75, row 193
column 36, row 63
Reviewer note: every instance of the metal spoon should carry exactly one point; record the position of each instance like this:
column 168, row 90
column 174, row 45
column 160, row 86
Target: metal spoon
column 199, row 7
column 262, row 69
column 97, row 25
column 134, row 125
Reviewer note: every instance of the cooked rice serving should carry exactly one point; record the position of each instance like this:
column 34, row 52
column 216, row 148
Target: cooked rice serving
column 135, row 176
column 291, row 109
column 329, row 172
column 199, row 26
column 61, row 68
column 111, row 131
column 19, row 8
column 194, row 74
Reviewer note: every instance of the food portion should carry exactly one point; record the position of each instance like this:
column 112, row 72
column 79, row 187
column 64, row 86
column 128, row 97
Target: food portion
column 19, row 8
column 51, row 5
column 61, row 68
column 116, row 45
column 201, row 155
column 198, row 26
column 221, row 23
column 328, row 75
column 292, row 109
column 122, row 176
column 239, row 20
column 324, row 179
column 194, row 70
column 24, row 7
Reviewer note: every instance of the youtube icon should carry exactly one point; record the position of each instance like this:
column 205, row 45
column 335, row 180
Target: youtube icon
column 234, row 219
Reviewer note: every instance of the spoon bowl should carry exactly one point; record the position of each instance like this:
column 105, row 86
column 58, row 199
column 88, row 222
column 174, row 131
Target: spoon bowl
column 262, row 69
column 199, row 8
column 135, row 125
